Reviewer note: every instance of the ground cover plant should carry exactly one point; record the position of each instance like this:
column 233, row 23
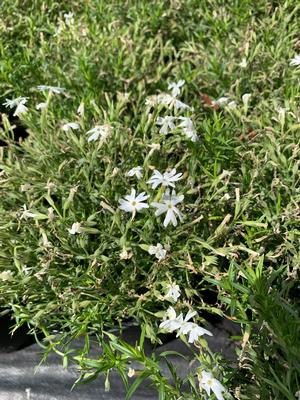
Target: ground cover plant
column 155, row 182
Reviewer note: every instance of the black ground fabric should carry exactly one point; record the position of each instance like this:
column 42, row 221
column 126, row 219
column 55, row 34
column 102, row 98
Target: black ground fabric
column 20, row 379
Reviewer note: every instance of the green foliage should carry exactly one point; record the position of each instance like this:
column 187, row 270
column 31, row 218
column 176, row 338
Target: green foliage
column 239, row 239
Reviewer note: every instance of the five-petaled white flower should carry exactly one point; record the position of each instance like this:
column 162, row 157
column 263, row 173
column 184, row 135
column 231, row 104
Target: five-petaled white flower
column 53, row 89
column 208, row 383
column 132, row 203
column 196, row 331
column 176, row 87
column 76, row 228
column 167, row 124
column 168, row 178
column 168, row 206
column 188, row 128
column 135, row 171
column 101, row 131
column 295, row 62
column 70, row 125
column 19, row 103
column 158, row 251
column 173, row 293
column 186, row 326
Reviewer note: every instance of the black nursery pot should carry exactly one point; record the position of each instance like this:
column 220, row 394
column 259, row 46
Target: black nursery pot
column 20, row 338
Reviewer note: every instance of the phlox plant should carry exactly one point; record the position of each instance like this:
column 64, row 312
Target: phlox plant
column 94, row 262
column 156, row 184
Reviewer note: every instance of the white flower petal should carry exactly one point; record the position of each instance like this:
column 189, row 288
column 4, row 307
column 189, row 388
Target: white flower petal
column 295, row 62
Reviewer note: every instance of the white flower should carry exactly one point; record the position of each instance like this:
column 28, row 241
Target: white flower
column 19, row 103
column 53, row 89
column 246, row 98
column 133, row 203
column 167, row 124
column 188, row 128
column 70, row 125
column 76, row 228
column 197, row 331
column 158, row 251
column 135, row 171
column 168, row 206
column 176, row 87
column 101, row 131
column 41, row 106
column 221, row 101
column 208, row 383
column 295, row 61
column 186, row 326
column 15, row 102
column 26, row 213
column 171, row 322
column 21, row 109
column 183, row 326
column 178, row 105
column 166, row 179
column 173, row 292
column 171, row 102
column 243, row 63
column 69, row 20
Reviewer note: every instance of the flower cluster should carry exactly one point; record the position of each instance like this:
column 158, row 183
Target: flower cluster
column 134, row 203
column 169, row 200
column 158, row 251
column 182, row 325
column 168, row 123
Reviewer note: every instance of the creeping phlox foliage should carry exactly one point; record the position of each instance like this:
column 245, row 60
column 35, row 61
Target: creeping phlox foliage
column 131, row 198
column 159, row 198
